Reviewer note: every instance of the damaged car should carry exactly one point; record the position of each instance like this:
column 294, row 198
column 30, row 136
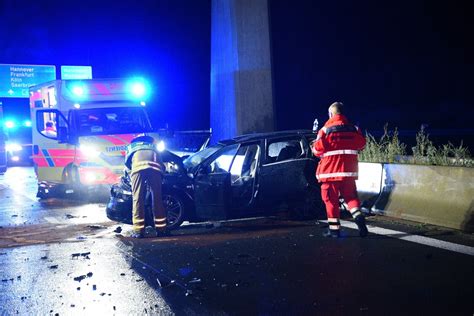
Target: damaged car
column 250, row 175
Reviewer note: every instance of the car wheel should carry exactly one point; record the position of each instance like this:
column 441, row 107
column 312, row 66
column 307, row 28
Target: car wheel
column 175, row 209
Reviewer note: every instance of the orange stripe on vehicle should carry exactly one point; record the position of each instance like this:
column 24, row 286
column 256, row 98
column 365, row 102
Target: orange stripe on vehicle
column 127, row 138
column 102, row 88
column 61, row 152
column 40, row 161
column 112, row 139
column 62, row 162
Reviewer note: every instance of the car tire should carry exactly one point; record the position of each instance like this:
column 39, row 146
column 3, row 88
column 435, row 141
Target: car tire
column 175, row 207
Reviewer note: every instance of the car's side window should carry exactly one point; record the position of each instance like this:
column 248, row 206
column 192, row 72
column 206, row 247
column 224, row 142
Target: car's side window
column 245, row 163
column 222, row 162
column 281, row 150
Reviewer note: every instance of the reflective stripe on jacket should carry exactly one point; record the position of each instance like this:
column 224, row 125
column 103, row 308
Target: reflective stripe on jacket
column 133, row 148
column 337, row 145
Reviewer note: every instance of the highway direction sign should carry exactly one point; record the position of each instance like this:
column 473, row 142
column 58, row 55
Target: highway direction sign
column 16, row 79
column 76, row 72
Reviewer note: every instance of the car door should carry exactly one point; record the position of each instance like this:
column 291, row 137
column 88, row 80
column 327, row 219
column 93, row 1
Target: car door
column 244, row 181
column 283, row 175
column 212, row 182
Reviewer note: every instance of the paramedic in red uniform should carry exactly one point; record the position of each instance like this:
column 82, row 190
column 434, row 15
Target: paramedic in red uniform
column 337, row 144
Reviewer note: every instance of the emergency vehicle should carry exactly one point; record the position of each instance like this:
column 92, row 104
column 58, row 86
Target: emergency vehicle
column 80, row 129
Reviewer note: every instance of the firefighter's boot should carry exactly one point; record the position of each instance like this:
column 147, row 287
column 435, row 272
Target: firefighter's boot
column 360, row 221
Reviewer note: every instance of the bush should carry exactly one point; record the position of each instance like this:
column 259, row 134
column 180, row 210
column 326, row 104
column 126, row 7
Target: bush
column 389, row 149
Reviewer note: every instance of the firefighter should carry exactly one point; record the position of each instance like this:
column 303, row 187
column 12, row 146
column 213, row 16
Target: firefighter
column 145, row 167
column 337, row 144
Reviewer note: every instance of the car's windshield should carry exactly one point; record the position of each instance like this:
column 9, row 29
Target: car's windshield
column 113, row 120
column 196, row 158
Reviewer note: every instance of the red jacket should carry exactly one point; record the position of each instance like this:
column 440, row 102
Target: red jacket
column 337, row 145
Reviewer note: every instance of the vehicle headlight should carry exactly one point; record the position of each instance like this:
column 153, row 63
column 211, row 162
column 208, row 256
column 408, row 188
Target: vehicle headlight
column 160, row 146
column 12, row 147
column 89, row 151
column 90, row 177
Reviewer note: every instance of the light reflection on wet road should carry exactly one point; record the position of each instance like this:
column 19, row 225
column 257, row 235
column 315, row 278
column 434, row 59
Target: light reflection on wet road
column 47, row 279
column 19, row 205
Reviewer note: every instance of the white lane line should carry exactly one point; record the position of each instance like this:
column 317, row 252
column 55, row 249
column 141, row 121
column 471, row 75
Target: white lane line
column 416, row 239
column 52, row 220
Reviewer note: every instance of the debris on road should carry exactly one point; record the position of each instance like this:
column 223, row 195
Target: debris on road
column 96, row 226
column 80, row 254
column 118, row 230
column 69, row 216
column 164, row 283
column 195, row 280
column 82, row 277
column 53, row 266
column 44, row 258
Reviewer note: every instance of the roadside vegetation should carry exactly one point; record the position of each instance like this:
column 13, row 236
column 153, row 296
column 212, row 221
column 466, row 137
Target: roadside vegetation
column 389, row 149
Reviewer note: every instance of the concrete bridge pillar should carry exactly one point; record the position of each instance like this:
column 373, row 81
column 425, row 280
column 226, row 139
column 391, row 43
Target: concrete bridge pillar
column 241, row 77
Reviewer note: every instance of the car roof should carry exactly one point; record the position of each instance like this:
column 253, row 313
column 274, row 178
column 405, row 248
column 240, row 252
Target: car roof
column 259, row 136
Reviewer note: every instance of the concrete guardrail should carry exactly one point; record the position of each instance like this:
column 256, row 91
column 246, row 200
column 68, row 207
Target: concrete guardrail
column 435, row 195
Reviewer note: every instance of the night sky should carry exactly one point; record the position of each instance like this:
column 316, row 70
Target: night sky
column 405, row 63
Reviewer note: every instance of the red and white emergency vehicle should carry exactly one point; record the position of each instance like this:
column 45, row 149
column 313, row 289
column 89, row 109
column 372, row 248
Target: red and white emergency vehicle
column 80, row 130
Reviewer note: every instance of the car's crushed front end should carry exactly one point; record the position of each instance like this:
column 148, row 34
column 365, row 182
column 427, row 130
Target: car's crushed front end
column 176, row 192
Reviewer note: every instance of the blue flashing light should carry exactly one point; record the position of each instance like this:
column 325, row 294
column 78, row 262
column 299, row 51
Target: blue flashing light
column 78, row 91
column 27, row 123
column 10, row 124
column 138, row 89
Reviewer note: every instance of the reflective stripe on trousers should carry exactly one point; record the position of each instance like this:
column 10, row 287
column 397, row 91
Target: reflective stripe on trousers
column 337, row 174
column 340, row 152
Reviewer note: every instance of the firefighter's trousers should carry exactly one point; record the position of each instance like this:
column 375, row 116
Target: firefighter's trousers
column 139, row 180
column 330, row 193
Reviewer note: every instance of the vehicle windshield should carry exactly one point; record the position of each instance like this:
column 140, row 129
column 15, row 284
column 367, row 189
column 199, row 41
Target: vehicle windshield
column 109, row 121
column 196, row 158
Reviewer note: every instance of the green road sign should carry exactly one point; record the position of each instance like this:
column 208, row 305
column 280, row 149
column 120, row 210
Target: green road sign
column 76, row 72
column 16, row 79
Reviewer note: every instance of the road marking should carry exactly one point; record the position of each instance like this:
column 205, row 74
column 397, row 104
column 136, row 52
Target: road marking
column 52, row 220
column 416, row 239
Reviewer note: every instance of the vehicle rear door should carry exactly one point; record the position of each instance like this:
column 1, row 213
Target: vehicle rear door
column 283, row 175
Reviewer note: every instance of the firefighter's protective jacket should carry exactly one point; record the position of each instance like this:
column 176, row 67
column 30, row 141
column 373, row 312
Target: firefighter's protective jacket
column 337, row 145
column 142, row 155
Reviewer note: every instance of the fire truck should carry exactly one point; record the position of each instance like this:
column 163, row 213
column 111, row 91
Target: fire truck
column 80, row 129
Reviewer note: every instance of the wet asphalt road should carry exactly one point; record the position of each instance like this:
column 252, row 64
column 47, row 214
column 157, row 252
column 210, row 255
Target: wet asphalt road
column 66, row 258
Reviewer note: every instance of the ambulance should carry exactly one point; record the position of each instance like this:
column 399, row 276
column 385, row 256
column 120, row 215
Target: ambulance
column 80, row 129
